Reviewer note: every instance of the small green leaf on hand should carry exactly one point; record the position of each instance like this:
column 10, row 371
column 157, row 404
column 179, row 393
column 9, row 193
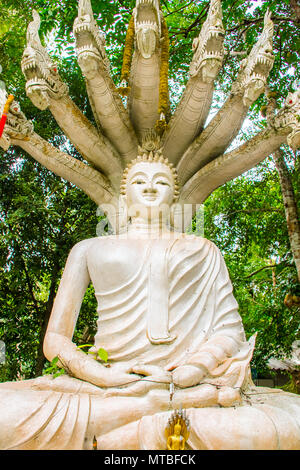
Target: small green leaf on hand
column 102, row 354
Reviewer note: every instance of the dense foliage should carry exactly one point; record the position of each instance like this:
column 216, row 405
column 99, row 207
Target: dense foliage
column 42, row 217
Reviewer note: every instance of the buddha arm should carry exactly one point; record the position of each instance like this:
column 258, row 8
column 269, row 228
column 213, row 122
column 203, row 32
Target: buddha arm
column 58, row 339
column 210, row 358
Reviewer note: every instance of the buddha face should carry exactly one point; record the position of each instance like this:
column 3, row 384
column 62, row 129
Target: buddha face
column 150, row 184
column 177, row 429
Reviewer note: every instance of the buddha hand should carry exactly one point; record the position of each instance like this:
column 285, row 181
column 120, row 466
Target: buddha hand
column 152, row 373
column 188, row 376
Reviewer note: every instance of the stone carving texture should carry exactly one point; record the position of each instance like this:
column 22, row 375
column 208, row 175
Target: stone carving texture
column 167, row 316
column 192, row 111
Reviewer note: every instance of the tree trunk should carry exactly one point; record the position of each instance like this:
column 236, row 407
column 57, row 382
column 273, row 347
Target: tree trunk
column 290, row 206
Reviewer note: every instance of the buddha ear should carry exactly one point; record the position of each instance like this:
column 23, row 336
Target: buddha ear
column 173, row 217
column 122, row 214
column 177, row 221
column 122, row 199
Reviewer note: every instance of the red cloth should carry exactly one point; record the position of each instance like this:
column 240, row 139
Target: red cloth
column 2, row 123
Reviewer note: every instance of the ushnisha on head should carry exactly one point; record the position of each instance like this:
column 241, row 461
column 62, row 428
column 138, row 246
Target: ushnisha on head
column 150, row 180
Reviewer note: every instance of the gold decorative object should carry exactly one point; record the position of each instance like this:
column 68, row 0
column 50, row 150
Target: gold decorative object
column 164, row 70
column 124, row 89
column 178, row 430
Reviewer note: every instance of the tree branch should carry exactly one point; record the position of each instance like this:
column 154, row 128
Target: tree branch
column 197, row 20
column 263, row 268
column 253, row 21
column 179, row 9
column 190, row 28
column 260, row 209
column 166, row 5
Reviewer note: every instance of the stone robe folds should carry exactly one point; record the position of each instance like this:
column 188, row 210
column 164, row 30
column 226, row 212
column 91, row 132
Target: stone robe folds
column 176, row 309
column 197, row 323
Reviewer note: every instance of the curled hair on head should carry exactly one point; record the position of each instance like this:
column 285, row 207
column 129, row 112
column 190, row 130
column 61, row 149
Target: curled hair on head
column 150, row 157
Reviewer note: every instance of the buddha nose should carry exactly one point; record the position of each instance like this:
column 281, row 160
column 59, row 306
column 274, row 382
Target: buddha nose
column 150, row 188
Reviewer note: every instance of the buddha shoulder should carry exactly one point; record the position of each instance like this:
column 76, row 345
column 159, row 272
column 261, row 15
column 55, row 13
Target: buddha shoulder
column 196, row 241
column 84, row 246
column 98, row 246
column 108, row 251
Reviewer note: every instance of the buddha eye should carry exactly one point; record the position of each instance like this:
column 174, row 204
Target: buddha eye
column 138, row 182
column 164, row 183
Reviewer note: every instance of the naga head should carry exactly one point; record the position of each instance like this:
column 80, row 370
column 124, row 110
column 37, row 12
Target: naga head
column 208, row 46
column 255, row 69
column 289, row 118
column 43, row 80
column 90, row 42
column 16, row 126
column 147, row 24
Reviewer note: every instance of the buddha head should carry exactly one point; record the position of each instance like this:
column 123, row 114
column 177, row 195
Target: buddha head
column 149, row 184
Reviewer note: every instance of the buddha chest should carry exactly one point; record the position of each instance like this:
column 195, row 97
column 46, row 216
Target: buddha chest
column 114, row 262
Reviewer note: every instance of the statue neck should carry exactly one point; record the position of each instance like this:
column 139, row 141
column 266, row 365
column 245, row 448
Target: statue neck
column 141, row 226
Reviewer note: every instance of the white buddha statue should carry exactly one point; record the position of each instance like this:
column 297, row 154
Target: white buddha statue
column 170, row 325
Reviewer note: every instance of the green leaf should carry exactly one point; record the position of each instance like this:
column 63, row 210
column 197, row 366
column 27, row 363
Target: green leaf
column 54, row 361
column 58, row 373
column 102, row 354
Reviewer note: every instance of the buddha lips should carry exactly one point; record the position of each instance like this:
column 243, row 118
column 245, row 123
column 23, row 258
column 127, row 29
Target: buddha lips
column 4, row 114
